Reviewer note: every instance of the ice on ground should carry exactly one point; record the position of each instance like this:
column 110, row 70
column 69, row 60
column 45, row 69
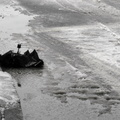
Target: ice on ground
column 8, row 94
column 12, row 21
column 98, row 40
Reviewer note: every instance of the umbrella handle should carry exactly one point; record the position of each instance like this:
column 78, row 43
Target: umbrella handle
column 18, row 46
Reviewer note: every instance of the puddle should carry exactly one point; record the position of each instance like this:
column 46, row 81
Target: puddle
column 12, row 21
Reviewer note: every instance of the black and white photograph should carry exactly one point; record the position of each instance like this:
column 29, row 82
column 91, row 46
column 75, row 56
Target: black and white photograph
column 59, row 59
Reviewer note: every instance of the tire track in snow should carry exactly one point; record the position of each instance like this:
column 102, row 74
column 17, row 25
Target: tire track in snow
column 67, row 5
column 110, row 74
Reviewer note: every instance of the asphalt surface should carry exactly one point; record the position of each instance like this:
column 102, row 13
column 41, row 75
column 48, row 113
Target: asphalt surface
column 79, row 43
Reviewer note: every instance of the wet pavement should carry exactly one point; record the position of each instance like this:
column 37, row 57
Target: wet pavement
column 10, row 107
column 79, row 43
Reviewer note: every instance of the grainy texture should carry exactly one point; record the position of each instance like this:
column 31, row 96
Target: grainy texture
column 79, row 42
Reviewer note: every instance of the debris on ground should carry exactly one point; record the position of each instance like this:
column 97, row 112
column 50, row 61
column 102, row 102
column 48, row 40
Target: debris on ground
column 17, row 60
